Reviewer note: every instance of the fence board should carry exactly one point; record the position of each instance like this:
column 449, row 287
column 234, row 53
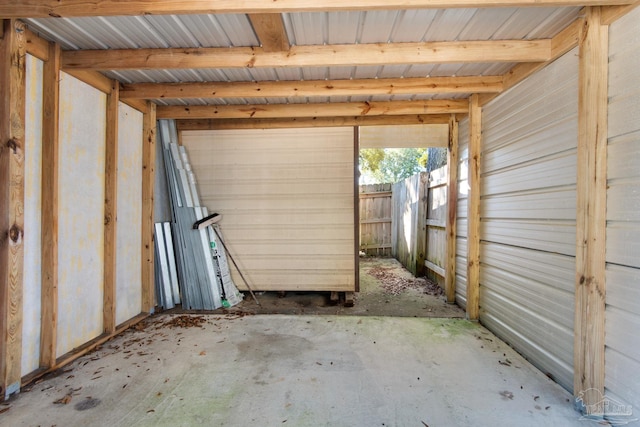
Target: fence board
column 375, row 219
column 436, row 250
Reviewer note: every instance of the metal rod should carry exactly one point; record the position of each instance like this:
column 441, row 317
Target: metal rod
column 235, row 265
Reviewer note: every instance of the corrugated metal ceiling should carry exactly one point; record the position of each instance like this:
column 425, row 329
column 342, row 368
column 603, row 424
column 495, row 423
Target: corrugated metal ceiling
column 235, row 30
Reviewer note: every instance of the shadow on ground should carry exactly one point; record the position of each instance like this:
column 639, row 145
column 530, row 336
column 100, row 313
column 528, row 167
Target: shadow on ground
column 386, row 289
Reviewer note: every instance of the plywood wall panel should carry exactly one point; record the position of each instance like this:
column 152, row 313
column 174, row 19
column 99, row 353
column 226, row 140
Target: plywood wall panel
column 32, row 218
column 129, row 217
column 81, row 213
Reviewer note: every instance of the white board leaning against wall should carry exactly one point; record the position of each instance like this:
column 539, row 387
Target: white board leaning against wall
column 287, row 199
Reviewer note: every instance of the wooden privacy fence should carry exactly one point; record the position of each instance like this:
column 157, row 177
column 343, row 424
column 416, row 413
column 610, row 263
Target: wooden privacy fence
column 375, row 219
column 408, row 218
column 408, row 221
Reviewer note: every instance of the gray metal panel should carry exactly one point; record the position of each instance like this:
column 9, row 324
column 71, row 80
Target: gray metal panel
column 461, row 219
column 528, row 213
column 622, row 351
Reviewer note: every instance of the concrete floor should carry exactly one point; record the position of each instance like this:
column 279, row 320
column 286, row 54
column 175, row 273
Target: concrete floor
column 274, row 370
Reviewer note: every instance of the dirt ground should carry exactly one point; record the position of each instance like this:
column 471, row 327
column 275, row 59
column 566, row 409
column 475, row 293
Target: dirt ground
column 386, row 289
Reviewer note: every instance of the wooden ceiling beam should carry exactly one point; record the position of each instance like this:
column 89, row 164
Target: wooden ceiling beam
column 270, row 30
column 72, row 8
column 262, row 111
column 308, row 88
column 308, row 122
column 310, row 56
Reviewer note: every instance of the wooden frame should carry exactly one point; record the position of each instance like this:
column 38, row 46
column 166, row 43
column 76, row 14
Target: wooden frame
column 473, row 212
column 267, row 111
column 50, row 189
column 12, row 116
column 452, row 211
column 148, row 181
column 309, row 88
column 111, row 210
column 70, row 8
column 590, row 289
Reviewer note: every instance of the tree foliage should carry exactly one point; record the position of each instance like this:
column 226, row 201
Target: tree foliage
column 391, row 164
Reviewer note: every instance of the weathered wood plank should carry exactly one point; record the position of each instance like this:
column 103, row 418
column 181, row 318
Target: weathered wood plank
column 270, row 30
column 452, row 212
column 50, row 189
column 110, row 211
column 148, row 180
column 309, row 122
column 329, row 109
column 473, row 215
column 71, row 8
column 589, row 325
column 310, row 88
column 12, row 116
column 310, row 55
column 37, row 46
column 420, row 248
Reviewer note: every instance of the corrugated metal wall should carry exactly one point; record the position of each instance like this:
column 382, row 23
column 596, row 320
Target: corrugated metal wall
column 404, row 136
column 528, row 212
column 287, row 201
column 129, row 232
column 81, row 213
column 461, row 219
column 622, row 353
column 32, row 218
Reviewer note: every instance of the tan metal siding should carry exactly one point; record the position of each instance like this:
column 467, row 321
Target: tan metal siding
column 287, row 201
column 461, row 219
column 528, row 212
column 622, row 352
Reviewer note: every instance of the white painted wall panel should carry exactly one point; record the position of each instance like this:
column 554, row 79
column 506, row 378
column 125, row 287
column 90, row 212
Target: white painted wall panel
column 287, row 201
column 528, row 211
column 31, row 302
column 129, row 232
column 461, row 218
column 81, row 213
column 622, row 352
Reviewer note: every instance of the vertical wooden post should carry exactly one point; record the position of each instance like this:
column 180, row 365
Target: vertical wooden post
column 473, row 212
column 12, row 115
column 420, row 246
column 452, row 211
column 49, row 221
column 111, row 210
column 148, row 181
column 591, row 211
column 356, row 206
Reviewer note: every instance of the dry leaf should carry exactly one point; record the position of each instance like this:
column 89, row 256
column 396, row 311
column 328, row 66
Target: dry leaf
column 63, row 400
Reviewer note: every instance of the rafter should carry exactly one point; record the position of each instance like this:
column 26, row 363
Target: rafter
column 309, row 122
column 71, row 8
column 367, row 87
column 311, row 56
column 393, row 108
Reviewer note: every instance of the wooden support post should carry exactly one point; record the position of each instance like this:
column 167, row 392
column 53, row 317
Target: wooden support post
column 420, row 248
column 473, row 212
column 452, row 211
column 12, row 115
column 589, row 325
column 49, row 221
column 148, row 181
column 110, row 210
